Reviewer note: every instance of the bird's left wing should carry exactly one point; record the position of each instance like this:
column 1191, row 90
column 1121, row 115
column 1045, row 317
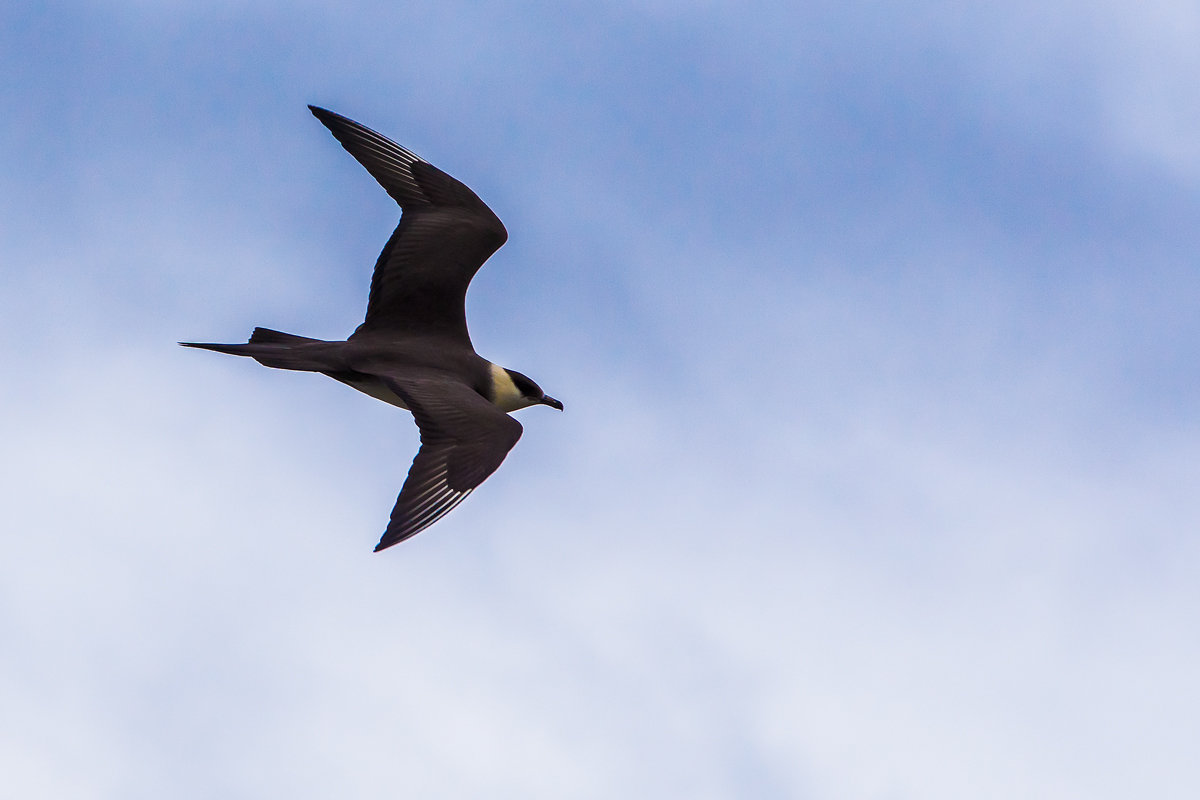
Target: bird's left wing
column 464, row 439
column 445, row 234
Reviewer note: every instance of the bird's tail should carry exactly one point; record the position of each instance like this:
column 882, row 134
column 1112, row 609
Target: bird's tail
column 268, row 336
column 276, row 349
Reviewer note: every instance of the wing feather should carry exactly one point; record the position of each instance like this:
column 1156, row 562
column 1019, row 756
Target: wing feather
column 464, row 439
column 445, row 235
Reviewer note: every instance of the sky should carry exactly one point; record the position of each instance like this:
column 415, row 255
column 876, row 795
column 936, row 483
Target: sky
column 876, row 328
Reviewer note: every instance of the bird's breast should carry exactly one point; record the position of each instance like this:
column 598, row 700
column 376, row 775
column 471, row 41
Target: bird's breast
column 375, row 388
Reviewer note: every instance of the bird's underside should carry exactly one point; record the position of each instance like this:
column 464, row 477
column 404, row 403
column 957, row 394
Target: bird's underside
column 413, row 349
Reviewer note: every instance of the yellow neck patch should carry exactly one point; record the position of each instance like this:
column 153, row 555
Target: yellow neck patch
column 505, row 393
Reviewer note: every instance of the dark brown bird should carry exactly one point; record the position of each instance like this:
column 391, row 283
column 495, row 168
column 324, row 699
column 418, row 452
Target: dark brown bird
column 413, row 349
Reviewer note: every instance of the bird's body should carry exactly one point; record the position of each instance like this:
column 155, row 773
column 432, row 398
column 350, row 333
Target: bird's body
column 413, row 350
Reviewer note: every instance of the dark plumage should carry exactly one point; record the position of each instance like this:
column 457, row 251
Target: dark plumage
column 413, row 349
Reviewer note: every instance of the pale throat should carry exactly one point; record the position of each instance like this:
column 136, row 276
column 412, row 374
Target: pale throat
column 505, row 393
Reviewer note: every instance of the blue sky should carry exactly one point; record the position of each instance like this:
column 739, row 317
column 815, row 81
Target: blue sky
column 875, row 325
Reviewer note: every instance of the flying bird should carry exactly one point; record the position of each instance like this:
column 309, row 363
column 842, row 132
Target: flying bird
column 413, row 349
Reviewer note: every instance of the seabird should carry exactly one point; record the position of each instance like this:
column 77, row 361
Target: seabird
column 413, row 349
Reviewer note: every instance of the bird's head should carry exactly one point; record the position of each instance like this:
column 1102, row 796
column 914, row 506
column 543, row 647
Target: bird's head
column 520, row 391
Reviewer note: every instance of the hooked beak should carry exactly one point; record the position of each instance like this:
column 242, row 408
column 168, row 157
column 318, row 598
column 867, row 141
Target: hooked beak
column 547, row 400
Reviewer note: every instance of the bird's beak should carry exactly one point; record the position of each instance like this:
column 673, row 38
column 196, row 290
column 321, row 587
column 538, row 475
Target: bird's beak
column 547, row 400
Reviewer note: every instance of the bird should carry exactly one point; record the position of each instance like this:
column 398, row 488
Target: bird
column 413, row 350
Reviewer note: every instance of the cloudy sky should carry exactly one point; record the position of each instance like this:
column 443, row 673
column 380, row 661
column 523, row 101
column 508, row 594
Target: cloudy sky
column 876, row 327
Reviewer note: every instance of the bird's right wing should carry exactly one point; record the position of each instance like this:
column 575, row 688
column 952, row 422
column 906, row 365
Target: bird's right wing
column 464, row 439
column 445, row 234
